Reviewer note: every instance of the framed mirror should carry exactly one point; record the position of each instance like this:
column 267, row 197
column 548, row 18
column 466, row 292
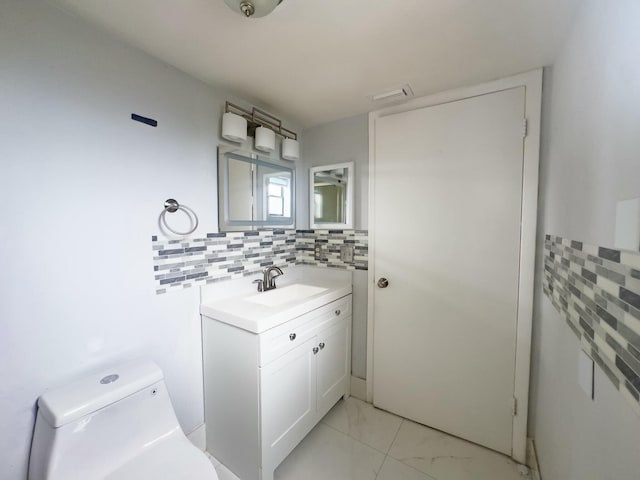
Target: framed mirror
column 331, row 196
column 254, row 191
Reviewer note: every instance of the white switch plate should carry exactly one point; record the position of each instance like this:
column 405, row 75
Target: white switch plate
column 346, row 253
column 585, row 373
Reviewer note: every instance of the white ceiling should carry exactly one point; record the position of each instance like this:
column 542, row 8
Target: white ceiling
column 317, row 60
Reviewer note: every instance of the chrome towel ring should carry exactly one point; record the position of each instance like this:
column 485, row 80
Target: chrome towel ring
column 171, row 205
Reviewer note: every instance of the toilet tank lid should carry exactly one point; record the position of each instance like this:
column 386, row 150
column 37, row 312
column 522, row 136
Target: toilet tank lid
column 66, row 404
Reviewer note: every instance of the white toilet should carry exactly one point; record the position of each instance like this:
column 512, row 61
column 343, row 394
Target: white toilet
column 116, row 425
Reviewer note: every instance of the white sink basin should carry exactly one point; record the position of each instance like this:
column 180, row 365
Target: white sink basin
column 288, row 294
column 303, row 290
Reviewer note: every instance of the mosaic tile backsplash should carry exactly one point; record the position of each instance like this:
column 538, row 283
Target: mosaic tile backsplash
column 216, row 257
column 331, row 241
column 597, row 290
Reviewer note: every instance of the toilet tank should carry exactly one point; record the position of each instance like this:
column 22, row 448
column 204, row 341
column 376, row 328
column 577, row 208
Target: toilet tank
column 90, row 427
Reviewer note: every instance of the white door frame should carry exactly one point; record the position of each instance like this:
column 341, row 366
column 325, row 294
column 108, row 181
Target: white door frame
column 532, row 81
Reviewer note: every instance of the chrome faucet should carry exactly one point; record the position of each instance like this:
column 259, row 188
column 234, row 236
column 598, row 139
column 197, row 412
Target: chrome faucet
column 268, row 281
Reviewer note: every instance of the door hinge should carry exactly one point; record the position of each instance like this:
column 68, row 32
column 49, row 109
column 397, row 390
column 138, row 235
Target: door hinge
column 525, row 128
column 514, row 406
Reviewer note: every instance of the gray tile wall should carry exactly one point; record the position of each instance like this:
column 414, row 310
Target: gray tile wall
column 597, row 291
column 217, row 257
column 331, row 241
column 181, row 264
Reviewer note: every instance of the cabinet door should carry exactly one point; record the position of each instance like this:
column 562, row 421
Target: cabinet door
column 333, row 364
column 288, row 395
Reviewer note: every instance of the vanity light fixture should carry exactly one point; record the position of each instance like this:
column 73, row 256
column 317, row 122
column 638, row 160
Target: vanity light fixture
column 290, row 149
column 265, row 139
column 234, row 127
column 253, row 8
column 238, row 123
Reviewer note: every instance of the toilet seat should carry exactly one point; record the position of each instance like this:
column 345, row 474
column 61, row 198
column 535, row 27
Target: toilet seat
column 174, row 458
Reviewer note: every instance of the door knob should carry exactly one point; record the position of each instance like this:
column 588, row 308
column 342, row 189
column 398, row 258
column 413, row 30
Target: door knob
column 383, row 283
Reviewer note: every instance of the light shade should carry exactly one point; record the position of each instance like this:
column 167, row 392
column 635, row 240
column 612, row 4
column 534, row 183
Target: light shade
column 234, row 127
column 253, row 8
column 290, row 149
column 265, row 139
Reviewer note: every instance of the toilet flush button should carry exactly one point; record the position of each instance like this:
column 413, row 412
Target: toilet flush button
column 109, row 379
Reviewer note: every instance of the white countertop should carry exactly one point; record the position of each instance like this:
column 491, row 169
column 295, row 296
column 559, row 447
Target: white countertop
column 240, row 312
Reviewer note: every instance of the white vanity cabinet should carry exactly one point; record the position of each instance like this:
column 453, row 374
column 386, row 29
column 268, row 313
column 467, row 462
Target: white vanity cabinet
column 265, row 391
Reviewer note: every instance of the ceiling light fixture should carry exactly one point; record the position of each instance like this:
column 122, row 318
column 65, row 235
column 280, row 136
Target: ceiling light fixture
column 253, row 8
column 237, row 123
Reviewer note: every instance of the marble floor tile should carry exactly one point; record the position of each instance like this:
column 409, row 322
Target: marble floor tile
column 328, row 454
column 449, row 458
column 224, row 473
column 394, row 470
column 364, row 422
column 214, row 461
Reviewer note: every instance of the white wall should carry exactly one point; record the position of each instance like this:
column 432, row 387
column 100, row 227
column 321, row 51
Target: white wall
column 83, row 186
column 590, row 160
column 347, row 140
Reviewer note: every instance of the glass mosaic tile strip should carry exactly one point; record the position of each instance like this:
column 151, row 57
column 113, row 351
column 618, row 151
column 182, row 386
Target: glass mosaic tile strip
column 332, row 240
column 179, row 264
column 597, row 291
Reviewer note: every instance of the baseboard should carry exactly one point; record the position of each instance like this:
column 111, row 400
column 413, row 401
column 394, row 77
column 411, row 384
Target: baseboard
column 359, row 388
column 532, row 460
column 198, row 437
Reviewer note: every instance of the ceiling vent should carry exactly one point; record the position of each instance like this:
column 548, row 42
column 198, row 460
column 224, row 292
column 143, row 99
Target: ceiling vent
column 401, row 93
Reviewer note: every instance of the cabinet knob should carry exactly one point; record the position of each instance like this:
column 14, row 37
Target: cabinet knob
column 292, row 336
column 315, row 350
column 337, row 312
column 321, row 345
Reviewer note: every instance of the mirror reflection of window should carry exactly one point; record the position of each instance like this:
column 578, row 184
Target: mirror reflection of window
column 278, row 195
column 254, row 191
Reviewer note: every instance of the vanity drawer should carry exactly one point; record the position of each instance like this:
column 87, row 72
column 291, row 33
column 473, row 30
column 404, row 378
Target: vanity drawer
column 279, row 340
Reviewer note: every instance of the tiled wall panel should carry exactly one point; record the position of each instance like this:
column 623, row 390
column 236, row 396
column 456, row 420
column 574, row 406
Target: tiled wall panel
column 597, row 290
column 217, row 257
column 181, row 264
column 331, row 241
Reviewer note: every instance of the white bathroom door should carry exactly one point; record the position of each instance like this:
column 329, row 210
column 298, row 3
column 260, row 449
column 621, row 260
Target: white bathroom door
column 447, row 212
